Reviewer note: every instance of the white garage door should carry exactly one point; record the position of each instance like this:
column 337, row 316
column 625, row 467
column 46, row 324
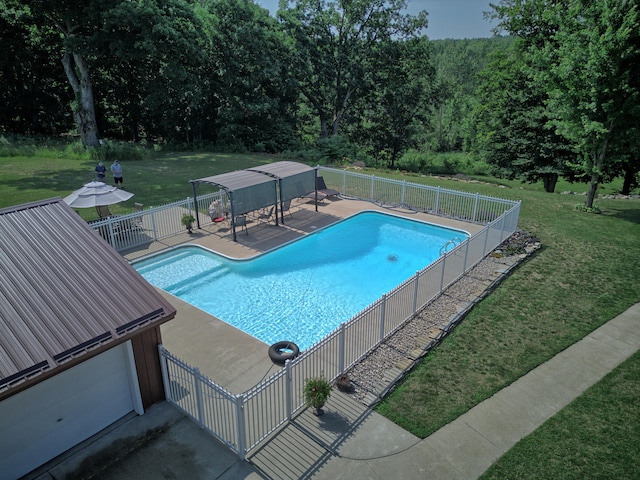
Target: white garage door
column 46, row 420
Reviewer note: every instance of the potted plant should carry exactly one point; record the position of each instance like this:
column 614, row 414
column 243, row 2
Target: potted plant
column 187, row 220
column 316, row 392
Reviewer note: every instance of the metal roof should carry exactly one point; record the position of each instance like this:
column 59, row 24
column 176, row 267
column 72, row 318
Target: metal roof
column 64, row 293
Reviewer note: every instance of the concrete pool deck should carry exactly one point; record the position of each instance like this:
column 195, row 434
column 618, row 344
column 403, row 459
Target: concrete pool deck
column 233, row 359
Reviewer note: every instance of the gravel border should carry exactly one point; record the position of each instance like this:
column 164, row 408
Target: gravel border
column 377, row 374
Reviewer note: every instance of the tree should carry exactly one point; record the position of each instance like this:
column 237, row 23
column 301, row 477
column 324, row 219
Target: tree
column 457, row 64
column 588, row 61
column 33, row 87
column 395, row 113
column 74, row 22
column 512, row 130
column 332, row 45
column 155, row 70
column 256, row 99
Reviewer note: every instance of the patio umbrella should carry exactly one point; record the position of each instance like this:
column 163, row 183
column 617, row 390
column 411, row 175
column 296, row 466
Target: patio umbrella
column 95, row 194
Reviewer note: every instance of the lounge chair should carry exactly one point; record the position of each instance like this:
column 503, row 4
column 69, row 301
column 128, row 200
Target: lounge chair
column 103, row 211
column 322, row 188
column 312, row 196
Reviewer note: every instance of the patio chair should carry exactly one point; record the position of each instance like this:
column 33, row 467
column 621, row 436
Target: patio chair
column 241, row 221
column 322, row 188
column 103, row 211
column 286, row 207
column 137, row 221
column 266, row 215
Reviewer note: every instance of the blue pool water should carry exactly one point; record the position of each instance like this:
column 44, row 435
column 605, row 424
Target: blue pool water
column 304, row 290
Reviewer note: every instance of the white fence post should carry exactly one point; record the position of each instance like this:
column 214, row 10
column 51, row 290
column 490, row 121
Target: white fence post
column 415, row 293
column 444, row 261
column 288, row 394
column 437, row 205
column 475, row 208
column 165, row 373
column 242, row 439
column 486, row 239
column 341, row 348
column 199, row 401
column 153, row 225
column 383, row 315
column 373, row 180
column 466, row 254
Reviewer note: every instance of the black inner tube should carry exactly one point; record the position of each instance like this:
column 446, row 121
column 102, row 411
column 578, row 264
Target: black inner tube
column 280, row 352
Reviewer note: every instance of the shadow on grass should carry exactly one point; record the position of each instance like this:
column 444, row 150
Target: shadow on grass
column 627, row 212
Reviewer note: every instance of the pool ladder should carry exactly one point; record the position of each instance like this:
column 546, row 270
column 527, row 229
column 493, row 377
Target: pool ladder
column 455, row 241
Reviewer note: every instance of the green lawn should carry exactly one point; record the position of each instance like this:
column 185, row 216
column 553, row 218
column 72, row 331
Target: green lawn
column 597, row 436
column 163, row 179
column 587, row 271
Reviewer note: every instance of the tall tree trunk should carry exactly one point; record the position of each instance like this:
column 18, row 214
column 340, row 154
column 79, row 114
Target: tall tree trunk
column 84, row 109
column 324, row 127
column 597, row 168
column 549, row 181
column 629, row 179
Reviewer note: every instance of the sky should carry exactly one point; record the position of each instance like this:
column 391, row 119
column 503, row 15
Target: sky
column 447, row 18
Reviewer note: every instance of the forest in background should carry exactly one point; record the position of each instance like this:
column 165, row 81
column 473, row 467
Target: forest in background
column 333, row 81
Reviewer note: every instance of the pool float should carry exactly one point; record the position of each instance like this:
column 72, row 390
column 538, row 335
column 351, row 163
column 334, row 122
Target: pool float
column 280, row 352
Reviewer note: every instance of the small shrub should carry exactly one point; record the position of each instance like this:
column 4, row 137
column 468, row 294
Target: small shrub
column 415, row 161
column 581, row 207
column 113, row 149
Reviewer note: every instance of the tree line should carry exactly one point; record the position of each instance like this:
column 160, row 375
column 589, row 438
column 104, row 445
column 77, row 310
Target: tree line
column 556, row 97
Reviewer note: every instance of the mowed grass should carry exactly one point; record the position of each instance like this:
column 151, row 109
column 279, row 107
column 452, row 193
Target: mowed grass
column 587, row 271
column 596, row 436
column 157, row 181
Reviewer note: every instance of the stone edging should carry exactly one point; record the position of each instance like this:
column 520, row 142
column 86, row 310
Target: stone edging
column 379, row 373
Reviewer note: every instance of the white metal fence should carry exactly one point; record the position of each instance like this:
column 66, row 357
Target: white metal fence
column 243, row 421
column 135, row 229
column 124, row 232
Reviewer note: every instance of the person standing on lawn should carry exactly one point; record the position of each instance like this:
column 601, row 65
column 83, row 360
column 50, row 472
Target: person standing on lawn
column 101, row 171
column 116, row 169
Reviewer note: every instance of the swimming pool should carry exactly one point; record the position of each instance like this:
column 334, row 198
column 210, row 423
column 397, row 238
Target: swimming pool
column 305, row 289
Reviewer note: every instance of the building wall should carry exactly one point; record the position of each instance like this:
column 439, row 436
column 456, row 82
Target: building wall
column 147, row 358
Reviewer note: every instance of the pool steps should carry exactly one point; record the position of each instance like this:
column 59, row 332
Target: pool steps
column 195, row 281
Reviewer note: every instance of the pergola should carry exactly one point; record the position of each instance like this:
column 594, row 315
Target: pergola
column 247, row 191
column 258, row 187
column 294, row 180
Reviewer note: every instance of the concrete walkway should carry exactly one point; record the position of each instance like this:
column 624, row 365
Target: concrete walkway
column 352, row 442
column 371, row 447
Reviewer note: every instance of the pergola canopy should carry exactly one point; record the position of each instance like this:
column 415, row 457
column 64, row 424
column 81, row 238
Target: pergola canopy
column 247, row 190
column 295, row 179
column 255, row 188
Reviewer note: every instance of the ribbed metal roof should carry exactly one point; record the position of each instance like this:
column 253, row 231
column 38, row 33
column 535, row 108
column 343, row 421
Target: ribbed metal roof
column 63, row 292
